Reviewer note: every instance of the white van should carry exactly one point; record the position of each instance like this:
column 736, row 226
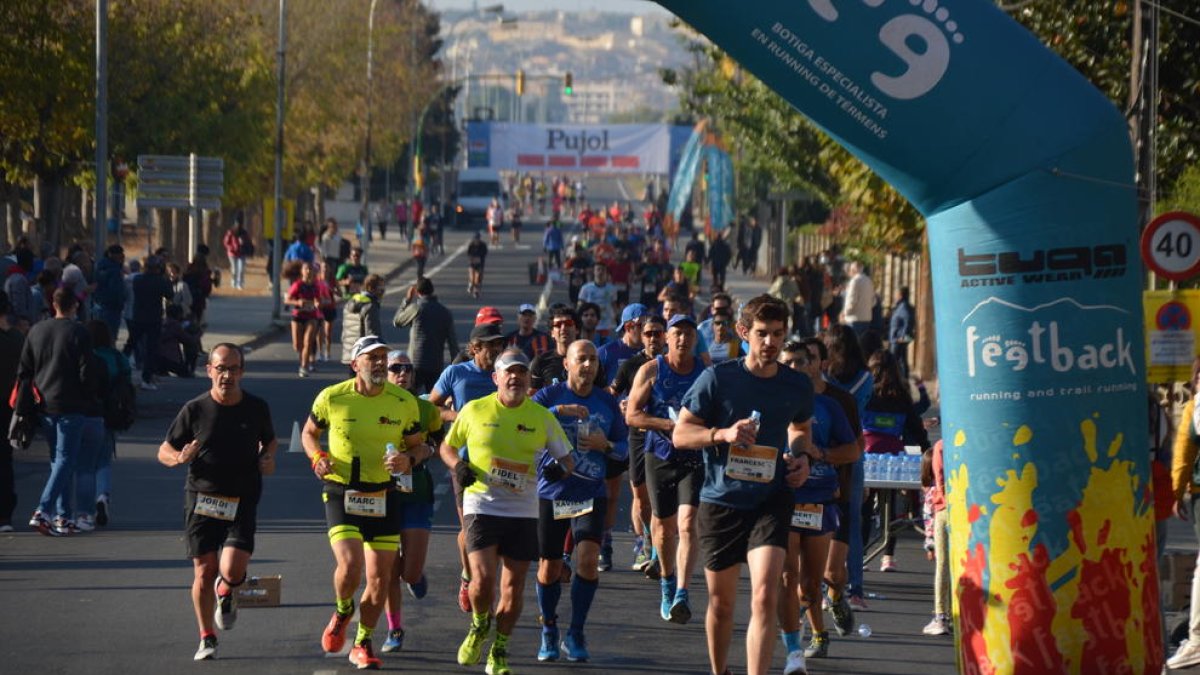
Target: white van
column 476, row 189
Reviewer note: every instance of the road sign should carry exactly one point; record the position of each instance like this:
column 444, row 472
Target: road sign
column 180, row 182
column 1171, row 245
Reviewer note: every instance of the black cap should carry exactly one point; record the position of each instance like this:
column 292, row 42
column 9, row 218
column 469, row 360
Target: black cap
column 486, row 332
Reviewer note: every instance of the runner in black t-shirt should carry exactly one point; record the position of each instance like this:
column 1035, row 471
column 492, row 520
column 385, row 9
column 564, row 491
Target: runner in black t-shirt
column 477, row 252
column 226, row 439
column 547, row 368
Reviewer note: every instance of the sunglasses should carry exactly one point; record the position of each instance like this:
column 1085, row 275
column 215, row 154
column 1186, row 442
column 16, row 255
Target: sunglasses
column 400, row 368
column 720, row 323
column 562, row 324
column 652, row 333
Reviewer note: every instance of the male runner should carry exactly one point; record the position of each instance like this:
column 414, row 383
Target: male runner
column 746, row 502
column 226, row 439
column 416, row 509
column 504, row 432
column 673, row 477
column 814, row 519
column 364, row 416
column 596, row 429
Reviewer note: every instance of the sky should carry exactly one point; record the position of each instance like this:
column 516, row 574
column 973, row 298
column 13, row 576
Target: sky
column 620, row 6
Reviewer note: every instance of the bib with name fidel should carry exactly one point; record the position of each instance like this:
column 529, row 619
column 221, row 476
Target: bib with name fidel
column 509, row 475
column 808, row 516
column 570, row 509
column 367, row 504
column 755, row 463
column 216, row 506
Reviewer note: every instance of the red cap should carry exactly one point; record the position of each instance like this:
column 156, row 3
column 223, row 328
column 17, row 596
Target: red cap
column 488, row 314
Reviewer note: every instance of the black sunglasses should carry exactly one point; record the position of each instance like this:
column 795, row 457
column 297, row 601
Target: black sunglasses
column 400, row 368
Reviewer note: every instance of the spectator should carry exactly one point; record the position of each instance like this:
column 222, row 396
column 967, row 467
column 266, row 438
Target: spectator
column 109, row 295
column 238, row 247
column 719, row 257
column 22, row 307
column 361, row 316
column 56, row 359
column 199, row 278
column 330, row 245
column 150, row 290
column 552, row 244
column 118, row 383
column 432, row 332
column 181, row 293
column 299, row 250
column 859, row 299
column 178, row 346
column 901, row 329
column 785, row 289
column 11, row 342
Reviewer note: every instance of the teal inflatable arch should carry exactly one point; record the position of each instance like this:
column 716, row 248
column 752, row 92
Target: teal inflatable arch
column 1024, row 172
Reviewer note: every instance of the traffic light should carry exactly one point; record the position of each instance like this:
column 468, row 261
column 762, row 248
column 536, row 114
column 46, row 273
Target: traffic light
column 568, row 84
column 520, row 82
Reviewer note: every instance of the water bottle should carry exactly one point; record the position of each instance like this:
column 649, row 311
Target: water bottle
column 893, row 468
column 583, row 429
column 756, row 418
column 864, row 630
column 871, row 470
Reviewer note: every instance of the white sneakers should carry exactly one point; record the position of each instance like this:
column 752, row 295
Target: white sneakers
column 939, row 625
column 1186, row 656
column 795, row 663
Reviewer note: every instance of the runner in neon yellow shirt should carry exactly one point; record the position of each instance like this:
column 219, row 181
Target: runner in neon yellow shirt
column 362, row 506
column 505, row 431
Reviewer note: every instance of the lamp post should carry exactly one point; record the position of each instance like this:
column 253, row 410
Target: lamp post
column 364, row 178
column 277, row 235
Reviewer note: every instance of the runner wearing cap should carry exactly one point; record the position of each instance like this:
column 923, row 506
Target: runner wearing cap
column 364, row 416
column 752, row 420
column 226, row 439
column 416, row 509
column 526, row 337
column 547, row 368
column 612, row 355
column 486, row 314
column 504, row 431
column 673, row 477
column 592, row 420
column 458, row 385
column 653, row 330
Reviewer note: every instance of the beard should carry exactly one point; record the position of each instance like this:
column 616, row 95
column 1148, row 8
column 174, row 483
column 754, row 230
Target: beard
column 375, row 379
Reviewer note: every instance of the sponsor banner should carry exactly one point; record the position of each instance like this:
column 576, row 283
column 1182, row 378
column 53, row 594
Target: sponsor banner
column 1024, row 172
column 1171, row 320
column 601, row 148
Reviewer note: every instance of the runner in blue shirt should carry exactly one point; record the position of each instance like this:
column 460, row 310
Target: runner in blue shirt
column 751, row 418
column 816, row 516
column 629, row 342
column 457, row 386
column 596, row 429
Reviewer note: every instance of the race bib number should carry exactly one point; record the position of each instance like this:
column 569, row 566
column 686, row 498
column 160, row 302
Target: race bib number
column 367, row 504
column 564, row 510
column 404, row 482
column 476, row 260
column 508, row 475
column 755, row 463
column 216, row 506
column 808, row 516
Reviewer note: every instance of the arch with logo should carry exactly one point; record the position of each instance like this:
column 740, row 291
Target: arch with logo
column 1024, row 172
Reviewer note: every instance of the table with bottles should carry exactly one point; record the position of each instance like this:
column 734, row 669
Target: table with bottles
column 890, row 474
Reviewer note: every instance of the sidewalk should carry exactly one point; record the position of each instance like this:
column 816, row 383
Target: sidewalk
column 243, row 317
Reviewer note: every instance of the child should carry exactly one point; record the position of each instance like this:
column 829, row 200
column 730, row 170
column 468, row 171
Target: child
column 937, row 538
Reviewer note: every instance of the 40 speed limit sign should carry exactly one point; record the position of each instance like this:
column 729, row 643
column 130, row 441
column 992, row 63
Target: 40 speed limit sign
column 1171, row 246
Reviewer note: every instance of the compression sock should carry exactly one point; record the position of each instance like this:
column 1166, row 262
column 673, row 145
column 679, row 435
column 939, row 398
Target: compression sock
column 345, row 606
column 480, row 620
column 791, row 641
column 501, row 641
column 364, row 633
column 395, row 620
column 547, row 597
column 583, row 591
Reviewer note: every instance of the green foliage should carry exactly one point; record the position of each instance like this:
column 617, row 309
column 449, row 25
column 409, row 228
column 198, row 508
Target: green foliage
column 1185, row 194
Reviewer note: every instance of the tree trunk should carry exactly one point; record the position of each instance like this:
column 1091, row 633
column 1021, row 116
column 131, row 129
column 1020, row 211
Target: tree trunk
column 926, row 345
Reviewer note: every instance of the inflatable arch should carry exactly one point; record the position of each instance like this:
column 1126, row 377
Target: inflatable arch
column 1024, row 172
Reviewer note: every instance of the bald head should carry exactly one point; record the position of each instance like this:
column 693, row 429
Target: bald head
column 581, row 364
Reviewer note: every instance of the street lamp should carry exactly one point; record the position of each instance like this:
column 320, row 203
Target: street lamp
column 364, row 179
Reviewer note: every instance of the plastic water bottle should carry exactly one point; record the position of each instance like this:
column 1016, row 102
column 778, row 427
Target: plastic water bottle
column 869, row 468
column 402, row 481
column 391, row 450
column 893, row 468
column 864, row 630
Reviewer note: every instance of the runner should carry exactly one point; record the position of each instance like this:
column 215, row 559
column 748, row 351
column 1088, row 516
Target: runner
column 548, row 368
column 457, row 386
column 476, row 258
column 645, row 558
column 495, row 218
column 416, row 519
column 504, row 431
column 302, row 297
column 365, row 417
column 577, row 503
column 814, row 519
column 527, row 337
column 226, row 439
column 746, row 502
column 604, row 295
column 673, row 478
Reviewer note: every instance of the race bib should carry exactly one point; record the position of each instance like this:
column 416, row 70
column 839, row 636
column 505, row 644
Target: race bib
column 404, row 482
column 216, row 506
column 755, row 463
column 476, row 260
column 564, row 510
column 808, row 516
column 368, row 504
column 509, row 475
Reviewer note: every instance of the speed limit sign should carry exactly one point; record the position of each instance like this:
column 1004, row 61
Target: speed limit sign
column 1171, row 246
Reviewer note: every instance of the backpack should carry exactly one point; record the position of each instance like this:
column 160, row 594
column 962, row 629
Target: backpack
column 120, row 406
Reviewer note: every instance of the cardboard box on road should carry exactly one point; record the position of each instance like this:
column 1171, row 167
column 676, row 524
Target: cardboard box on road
column 1179, row 567
column 262, row 592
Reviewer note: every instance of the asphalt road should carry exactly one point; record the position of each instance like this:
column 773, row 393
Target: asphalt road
column 118, row 600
